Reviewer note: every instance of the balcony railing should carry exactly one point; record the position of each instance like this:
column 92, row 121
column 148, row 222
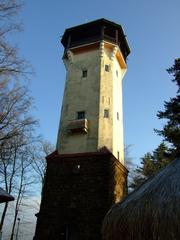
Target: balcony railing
column 78, row 126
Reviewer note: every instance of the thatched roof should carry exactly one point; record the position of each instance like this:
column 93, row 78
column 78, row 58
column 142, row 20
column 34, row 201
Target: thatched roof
column 151, row 212
column 5, row 197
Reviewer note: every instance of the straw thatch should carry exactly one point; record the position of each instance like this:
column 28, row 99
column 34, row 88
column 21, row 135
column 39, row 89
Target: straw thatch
column 5, row 197
column 152, row 212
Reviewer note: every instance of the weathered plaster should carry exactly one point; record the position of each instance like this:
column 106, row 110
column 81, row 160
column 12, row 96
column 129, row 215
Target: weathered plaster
column 100, row 90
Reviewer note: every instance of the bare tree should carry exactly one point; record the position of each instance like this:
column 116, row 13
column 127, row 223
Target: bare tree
column 8, row 8
column 129, row 165
column 127, row 158
column 11, row 65
column 14, row 112
column 23, row 182
column 20, row 149
column 14, row 165
column 16, row 133
column 38, row 156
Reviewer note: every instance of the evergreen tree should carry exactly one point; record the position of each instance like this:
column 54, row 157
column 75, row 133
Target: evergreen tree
column 163, row 154
column 150, row 164
column 141, row 173
column 171, row 130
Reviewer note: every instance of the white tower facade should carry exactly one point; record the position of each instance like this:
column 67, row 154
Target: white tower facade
column 92, row 116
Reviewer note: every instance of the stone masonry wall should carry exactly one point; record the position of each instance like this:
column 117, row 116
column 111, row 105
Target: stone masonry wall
column 79, row 190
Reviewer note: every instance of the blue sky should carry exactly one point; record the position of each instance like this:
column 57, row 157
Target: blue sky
column 152, row 29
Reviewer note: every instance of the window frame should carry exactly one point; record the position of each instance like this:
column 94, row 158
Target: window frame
column 79, row 113
column 107, row 68
column 84, row 73
column 118, row 116
column 117, row 73
column 106, row 113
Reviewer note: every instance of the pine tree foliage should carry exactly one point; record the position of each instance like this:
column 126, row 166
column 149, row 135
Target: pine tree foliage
column 150, row 164
column 170, row 148
column 171, row 130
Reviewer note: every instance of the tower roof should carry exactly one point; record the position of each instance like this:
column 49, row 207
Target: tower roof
column 101, row 29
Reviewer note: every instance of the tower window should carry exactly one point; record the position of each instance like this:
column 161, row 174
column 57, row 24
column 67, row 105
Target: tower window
column 84, row 73
column 81, row 115
column 106, row 113
column 107, row 68
column 118, row 155
column 117, row 73
column 117, row 116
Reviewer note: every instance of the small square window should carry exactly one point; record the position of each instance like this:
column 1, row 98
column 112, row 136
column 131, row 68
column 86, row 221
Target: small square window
column 107, row 68
column 81, row 115
column 106, row 113
column 84, row 73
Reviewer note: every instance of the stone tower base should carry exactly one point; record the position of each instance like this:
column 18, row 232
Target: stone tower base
column 79, row 190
